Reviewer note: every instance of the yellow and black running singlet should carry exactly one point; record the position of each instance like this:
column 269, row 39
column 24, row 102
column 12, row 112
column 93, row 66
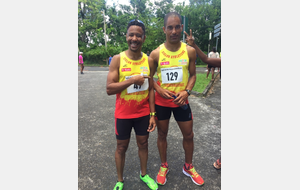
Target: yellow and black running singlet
column 173, row 73
column 133, row 102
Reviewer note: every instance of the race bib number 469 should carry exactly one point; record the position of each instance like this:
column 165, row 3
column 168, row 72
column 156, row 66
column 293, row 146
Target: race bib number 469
column 171, row 75
column 137, row 88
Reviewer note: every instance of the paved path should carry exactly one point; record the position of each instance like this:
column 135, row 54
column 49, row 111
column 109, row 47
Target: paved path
column 97, row 143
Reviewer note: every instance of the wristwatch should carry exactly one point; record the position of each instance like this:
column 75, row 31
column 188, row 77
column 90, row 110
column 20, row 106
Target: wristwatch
column 188, row 91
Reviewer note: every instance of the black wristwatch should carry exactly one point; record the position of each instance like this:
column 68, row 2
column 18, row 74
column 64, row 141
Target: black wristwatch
column 188, row 91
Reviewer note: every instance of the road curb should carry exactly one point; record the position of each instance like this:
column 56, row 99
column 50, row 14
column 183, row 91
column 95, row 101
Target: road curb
column 206, row 90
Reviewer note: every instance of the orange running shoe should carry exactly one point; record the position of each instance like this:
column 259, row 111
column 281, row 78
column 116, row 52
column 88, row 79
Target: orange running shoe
column 161, row 176
column 191, row 172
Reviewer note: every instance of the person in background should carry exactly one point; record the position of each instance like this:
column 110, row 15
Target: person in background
column 212, row 54
column 220, row 68
column 81, row 62
column 148, row 53
column 109, row 60
column 216, row 62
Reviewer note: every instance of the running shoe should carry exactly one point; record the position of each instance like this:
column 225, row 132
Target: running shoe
column 149, row 181
column 191, row 172
column 161, row 176
column 119, row 186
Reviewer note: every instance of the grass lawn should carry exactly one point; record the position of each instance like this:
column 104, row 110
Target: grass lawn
column 200, row 84
column 200, row 65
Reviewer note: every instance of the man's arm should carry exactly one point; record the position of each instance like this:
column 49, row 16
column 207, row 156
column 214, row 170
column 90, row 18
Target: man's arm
column 113, row 86
column 183, row 95
column 153, row 66
column 162, row 92
column 216, row 62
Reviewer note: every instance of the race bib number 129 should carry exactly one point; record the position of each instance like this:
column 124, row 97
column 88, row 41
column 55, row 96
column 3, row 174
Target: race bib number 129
column 171, row 75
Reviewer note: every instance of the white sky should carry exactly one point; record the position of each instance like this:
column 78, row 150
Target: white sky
column 126, row 2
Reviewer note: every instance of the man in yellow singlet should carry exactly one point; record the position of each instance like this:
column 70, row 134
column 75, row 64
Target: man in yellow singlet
column 176, row 78
column 130, row 78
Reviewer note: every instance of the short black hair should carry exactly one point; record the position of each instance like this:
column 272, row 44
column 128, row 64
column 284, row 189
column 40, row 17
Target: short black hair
column 137, row 23
column 171, row 14
column 214, row 49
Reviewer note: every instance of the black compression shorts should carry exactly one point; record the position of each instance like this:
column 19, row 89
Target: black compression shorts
column 123, row 127
column 164, row 113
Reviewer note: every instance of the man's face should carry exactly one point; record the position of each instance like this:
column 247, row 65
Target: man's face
column 135, row 38
column 173, row 29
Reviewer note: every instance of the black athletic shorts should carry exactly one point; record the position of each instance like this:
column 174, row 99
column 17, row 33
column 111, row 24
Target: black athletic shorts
column 209, row 66
column 180, row 114
column 123, row 127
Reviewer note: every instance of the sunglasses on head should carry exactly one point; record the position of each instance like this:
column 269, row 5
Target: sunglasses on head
column 137, row 21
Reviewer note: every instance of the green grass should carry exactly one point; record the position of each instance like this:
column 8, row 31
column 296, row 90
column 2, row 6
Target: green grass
column 200, row 65
column 200, row 84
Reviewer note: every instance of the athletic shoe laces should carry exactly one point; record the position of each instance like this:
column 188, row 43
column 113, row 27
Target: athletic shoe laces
column 162, row 171
column 194, row 173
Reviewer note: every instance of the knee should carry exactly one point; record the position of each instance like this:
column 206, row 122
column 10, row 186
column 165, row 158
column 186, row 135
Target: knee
column 121, row 148
column 143, row 144
column 162, row 135
column 189, row 137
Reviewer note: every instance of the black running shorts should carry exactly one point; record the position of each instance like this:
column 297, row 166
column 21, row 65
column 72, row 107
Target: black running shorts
column 123, row 127
column 164, row 113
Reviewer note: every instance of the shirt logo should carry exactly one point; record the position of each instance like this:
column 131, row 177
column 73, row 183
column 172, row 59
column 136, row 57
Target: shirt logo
column 126, row 69
column 144, row 69
column 182, row 62
column 165, row 63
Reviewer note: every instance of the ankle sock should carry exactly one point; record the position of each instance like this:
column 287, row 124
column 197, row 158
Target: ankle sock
column 188, row 166
column 164, row 165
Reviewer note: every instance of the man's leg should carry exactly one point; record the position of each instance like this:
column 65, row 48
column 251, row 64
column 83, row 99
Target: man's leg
column 81, row 68
column 212, row 73
column 208, row 71
column 186, row 128
column 122, row 146
column 162, row 130
column 142, row 142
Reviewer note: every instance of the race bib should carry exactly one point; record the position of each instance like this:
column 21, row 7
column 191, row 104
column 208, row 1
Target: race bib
column 171, row 75
column 137, row 88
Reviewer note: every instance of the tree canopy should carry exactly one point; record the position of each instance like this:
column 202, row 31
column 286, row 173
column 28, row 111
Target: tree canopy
column 202, row 16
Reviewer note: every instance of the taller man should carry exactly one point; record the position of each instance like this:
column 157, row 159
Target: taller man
column 176, row 78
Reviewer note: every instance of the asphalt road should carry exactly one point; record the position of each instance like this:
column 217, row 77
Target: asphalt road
column 97, row 142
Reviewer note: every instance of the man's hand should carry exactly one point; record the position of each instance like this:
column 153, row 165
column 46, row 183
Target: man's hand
column 189, row 38
column 152, row 124
column 139, row 80
column 165, row 93
column 181, row 98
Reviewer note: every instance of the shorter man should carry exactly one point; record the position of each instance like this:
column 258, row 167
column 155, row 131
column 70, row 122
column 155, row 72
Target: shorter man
column 130, row 78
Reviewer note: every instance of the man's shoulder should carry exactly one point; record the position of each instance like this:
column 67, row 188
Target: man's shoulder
column 190, row 48
column 155, row 54
column 156, row 50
